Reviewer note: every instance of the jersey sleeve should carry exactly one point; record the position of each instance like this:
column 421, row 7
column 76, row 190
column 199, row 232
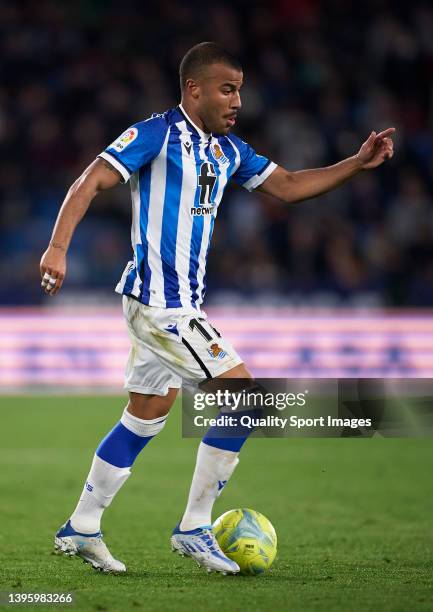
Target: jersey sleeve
column 253, row 168
column 137, row 146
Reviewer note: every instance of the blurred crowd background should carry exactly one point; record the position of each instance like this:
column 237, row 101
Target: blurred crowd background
column 319, row 76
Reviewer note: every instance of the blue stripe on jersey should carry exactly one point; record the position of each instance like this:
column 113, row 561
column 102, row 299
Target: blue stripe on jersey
column 203, row 292
column 217, row 172
column 197, row 228
column 138, row 249
column 130, row 279
column 142, row 249
column 229, row 151
column 196, row 238
column 170, row 218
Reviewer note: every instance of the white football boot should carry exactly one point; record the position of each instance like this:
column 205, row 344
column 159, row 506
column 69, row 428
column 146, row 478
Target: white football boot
column 202, row 546
column 91, row 548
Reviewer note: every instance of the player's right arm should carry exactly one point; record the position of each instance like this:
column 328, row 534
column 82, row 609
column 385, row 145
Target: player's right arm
column 137, row 146
column 100, row 175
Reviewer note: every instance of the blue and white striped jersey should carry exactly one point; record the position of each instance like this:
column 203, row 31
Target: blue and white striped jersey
column 178, row 175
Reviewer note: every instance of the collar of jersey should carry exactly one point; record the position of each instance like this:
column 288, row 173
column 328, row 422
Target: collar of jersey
column 188, row 118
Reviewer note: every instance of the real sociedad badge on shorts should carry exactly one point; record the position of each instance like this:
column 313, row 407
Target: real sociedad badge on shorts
column 216, row 351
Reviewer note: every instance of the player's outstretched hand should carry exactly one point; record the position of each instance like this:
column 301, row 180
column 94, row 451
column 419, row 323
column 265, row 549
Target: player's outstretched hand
column 53, row 269
column 376, row 149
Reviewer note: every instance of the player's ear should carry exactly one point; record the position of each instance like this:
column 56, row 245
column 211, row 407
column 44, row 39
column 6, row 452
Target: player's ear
column 192, row 87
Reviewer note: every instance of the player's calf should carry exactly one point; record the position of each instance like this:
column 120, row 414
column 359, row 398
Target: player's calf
column 111, row 468
column 218, row 453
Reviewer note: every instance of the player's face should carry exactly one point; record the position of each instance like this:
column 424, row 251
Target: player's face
column 218, row 100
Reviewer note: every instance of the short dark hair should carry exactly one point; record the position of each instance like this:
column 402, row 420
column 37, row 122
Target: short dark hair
column 202, row 55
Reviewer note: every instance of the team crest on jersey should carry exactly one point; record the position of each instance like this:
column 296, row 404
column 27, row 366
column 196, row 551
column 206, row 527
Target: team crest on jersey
column 125, row 139
column 216, row 351
column 218, row 153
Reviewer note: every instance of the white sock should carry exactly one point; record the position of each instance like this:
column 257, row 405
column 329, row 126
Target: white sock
column 104, row 479
column 103, row 482
column 213, row 469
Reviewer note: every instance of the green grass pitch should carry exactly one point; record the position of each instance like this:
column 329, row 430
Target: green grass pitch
column 353, row 516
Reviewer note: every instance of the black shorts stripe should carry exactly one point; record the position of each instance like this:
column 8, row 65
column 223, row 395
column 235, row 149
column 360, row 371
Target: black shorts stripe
column 197, row 358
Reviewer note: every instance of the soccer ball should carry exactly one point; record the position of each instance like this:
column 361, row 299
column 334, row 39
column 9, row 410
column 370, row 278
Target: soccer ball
column 247, row 537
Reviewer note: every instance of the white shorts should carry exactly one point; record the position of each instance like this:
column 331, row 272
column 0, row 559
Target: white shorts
column 169, row 347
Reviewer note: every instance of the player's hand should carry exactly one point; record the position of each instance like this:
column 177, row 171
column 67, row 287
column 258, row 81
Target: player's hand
column 53, row 269
column 376, row 149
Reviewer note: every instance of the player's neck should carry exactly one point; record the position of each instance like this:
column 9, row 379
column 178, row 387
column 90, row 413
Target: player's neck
column 194, row 117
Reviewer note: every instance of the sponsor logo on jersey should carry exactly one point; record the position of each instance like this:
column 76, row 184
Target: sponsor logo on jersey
column 89, row 487
column 216, row 351
column 218, row 153
column 125, row 139
column 206, row 182
column 201, row 211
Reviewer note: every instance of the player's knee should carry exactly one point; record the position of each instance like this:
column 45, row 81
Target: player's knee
column 148, row 407
column 239, row 371
column 241, row 393
column 235, row 379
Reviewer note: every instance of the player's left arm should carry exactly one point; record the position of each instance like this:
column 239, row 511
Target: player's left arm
column 304, row 184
